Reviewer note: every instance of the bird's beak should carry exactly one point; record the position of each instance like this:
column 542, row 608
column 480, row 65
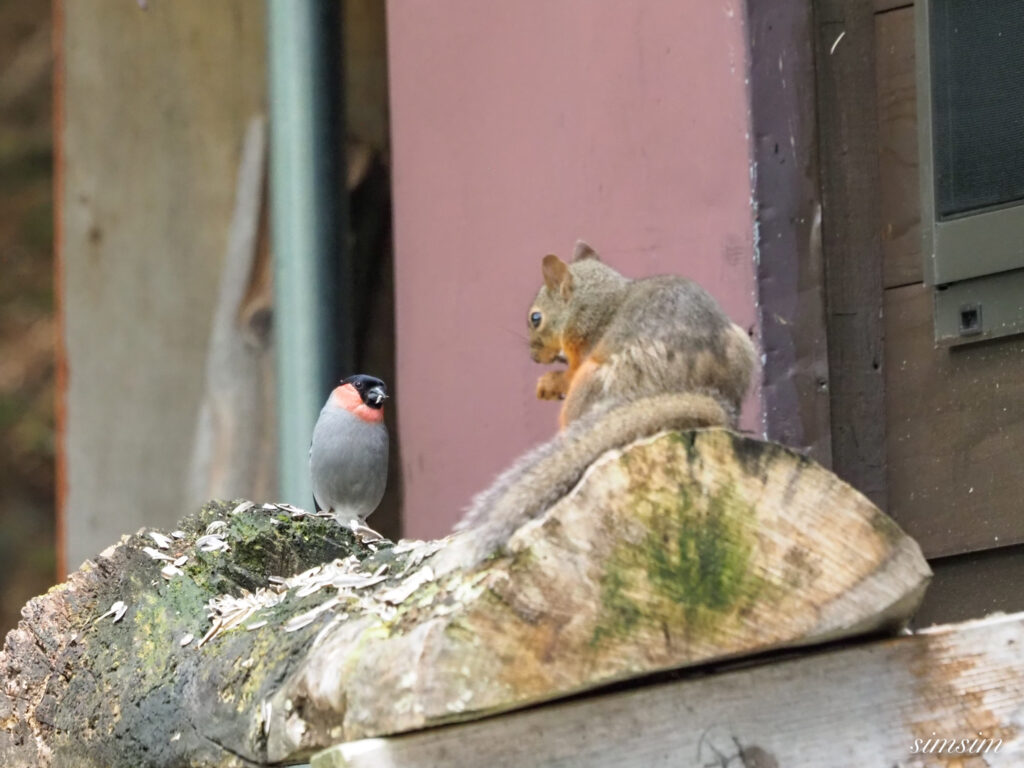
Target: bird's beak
column 376, row 395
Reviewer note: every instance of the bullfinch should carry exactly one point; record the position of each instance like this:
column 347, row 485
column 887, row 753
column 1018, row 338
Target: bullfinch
column 348, row 457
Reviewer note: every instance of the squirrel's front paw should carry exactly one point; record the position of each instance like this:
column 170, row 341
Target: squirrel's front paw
column 552, row 386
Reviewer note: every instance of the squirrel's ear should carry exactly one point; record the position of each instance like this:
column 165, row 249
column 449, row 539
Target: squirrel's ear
column 583, row 251
column 557, row 277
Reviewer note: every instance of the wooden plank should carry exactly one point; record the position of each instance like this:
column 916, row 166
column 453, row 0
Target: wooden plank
column 790, row 270
column 848, row 139
column 955, row 432
column 155, row 103
column 874, row 706
column 234, row 453
column 899, row 190
column 974, row 585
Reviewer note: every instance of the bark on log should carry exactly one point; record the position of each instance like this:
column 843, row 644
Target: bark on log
column 682, row 549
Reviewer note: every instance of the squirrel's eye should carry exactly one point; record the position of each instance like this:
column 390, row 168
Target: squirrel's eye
column 535, row 318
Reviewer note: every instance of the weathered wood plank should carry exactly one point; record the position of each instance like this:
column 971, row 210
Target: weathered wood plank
column 234, row 449
column 848, row 141
column 155, row 105
column 899, row 190
column 862, row 707
column 679, row 550
column 790, row 270
column 955, row 432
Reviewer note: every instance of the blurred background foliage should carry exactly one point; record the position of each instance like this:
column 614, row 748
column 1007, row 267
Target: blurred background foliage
column 27, row 325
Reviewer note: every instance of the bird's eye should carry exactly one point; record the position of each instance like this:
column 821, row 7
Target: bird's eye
column 535, row 318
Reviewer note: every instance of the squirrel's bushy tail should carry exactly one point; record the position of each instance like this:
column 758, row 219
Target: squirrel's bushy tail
column 548, row 472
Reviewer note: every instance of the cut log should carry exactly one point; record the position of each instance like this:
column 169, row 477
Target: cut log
column 682, row 549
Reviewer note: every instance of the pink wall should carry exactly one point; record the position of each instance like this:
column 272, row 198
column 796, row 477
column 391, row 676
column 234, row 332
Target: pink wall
column 518, row 127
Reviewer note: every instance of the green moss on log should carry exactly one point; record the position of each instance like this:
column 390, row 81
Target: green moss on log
column 140, row 662
column 696, row 554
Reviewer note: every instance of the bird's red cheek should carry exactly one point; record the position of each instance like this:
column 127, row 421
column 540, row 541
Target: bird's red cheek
column 348, row 398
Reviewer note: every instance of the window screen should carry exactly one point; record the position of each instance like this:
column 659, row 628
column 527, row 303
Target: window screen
column 977, row 55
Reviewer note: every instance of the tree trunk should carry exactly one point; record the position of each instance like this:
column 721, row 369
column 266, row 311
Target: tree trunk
column 681, row 549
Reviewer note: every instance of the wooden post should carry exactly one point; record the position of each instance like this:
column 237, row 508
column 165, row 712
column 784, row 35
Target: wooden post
column 850, row 231
column 154, row 105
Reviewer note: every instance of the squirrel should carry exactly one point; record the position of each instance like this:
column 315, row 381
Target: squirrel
column 642, row 356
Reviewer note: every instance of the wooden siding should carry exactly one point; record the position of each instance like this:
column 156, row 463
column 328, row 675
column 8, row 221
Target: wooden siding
column 954, row 418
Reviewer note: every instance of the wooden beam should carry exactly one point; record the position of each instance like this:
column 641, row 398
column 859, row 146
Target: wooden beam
column 899, row 192
column 848, row 136
column 790, row 271
column 881, row 704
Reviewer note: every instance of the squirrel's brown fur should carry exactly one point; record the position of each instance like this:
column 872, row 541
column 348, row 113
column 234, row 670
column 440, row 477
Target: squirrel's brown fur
column 643, row 356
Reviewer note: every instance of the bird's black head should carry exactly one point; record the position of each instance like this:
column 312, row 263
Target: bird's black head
column 371, row 389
